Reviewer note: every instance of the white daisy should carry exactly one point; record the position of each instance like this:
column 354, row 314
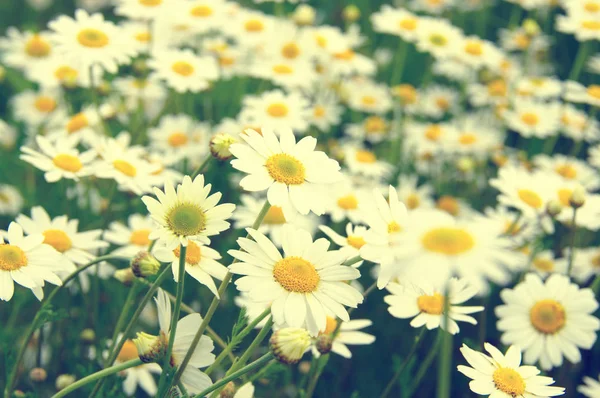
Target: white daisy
column 396, row 21
column 11, row 200
column 277, row 110
column 590, row 387
column 304, row 285
column 131, row 238
column 183, row 70
column 361, row 161
column 351, row 243
column 413, row 195
column 533, row 119
column 348, row 334
column 586, row 263
column 373, row 129
column 578, row 93
column 25, row 50
column 140, row 375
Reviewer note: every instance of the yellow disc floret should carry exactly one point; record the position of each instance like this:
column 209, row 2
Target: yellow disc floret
column 193, row 254
column 67, row 162
column 509, row 381
column 295, row 274
column 186, row 219
column 57, row 239
column 11, row 257
column 92, row 38
column 433, row 304
column 447, row 240
column 286, row 169
column 548, row 316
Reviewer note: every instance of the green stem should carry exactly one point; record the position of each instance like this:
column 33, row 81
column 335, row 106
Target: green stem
column 235, row 340
column 98, row 375
column 515, row 17
column 404, row 364
column 202, row 166
column 321, row 362
column 352, row 260
column 399, row 63
column 248, row 368
column 175, row 318
column 123, row 317
column 572, row 243
column 579, row 61
column 34, row 324
column 445, row 359
column 255, row 343
column 425, row 366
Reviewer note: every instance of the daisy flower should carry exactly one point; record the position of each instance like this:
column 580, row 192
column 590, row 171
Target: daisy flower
column 578, row 125
column 27, row 261
column 184, row 71
column 90, row 40
column 544, row 263
column 82, row 125
column 437, row 101
column 294, row 174
column 11, row 200
column 56, row 71
column 348, row 63
column 478, row 53
column 397, row 22
column 144, row 10
column 578, row 93
column 533, row 119
column 274, row 221
column 426, row 303
column 303, row 285
column 586, row 263
column 539, row 87
column 140, row 375
column 37, row 108
column 202, row 16
column 368, row 96
column 364, row 162
column 63, row 235
column 590, row 387
column 351, row 243
column 503, row 376
column 348, row 334
column 277, row 110
column 188, row 213
column 476, row 137
column 373, row 129
column 60, row 159
column 296, row 74
column 8, row 135
column 326, row 112
column 25, row 50
column 385, row 221
column 200, row 262
column 131, row 238
column 251, row 28
column 438, row 37
column 548, row 320
column 179, row 136
column 570, row 169
column 413, row 195
column 346, row 200
column 585, row 27
column 428, row 138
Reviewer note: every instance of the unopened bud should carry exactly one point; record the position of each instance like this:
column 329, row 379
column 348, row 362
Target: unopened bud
column 577, row 198
column 38, row 375
column 351, row 13
column 553, row 208
column 304, row 367
column 19, row 394
column 125, row 276
column 104, row 88
column 150, row 348
column 531, row 27
column 88, row 336
column 289, row 344
column 144, row 264
column 64, row 381
column 304, row 15
column 228, row 391
column 465, row 164
column 324, row 343
column 219, row 145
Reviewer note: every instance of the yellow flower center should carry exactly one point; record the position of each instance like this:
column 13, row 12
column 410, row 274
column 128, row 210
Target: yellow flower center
column 530, row 198
column 277, row 109
column 150, row 3
column 183, row 68
column 193, row 253
column 92, row 38
column 201, row 11
column 364, row 156
column 65, row 73
column 283, row 69
column 290, row 51
column 125, row 167
column 348, row 202
column 449, row 204
column 567, row 171
column 406, row 93
column 394, row 227
column 45, row 104
column 509, row 381
column 67, row 162
column 286, row 169
column 448, row 241
column 143, row 37
column 274, row 216
column 511, row 228
column 346, row 55
column 356, row 241
column 467, row 139
column 321, row 41
column 254, row 25
column 11, row 257
column 497, row 88
column 438, row 40
column 433, row 132
column 548, row 316
column 140, row 237
column 591, row 25
column 408, row 24
column 77, row 122
column 596, row 261
column 330, row 325
column 592, row 7
column 564, row 196
column 295, row 274
column 178, row 139
column 128, row 352
column 544, row 264
column 368, row 100
column 594, row 91
column 186, row 219
column 319, row 111
column 226, row 61
column 413, row 201
column 433, row 305
column 375, row 125
column 57, row 239
column 442, row 103
column 37, row 47
column 530, row 119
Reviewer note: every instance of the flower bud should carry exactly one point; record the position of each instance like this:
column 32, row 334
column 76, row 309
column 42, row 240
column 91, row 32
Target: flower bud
column 465, row 164
column 531, row 27
column 228, row 391
column 144, row 264
column 219, row 145
column 406, row 93
column 351, row 13
column 289, row 344
column 304, row 15
column 150, row 348
column 304, row 367
column 125, row 276
column 64, row 381
column 38, row 375
column 104, row 88
column 553, row 208
column 577, row 198
column 324, row 343
column 88, row 336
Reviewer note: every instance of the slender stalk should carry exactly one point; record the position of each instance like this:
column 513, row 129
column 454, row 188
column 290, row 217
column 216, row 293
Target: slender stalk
column 202, row 166
column 175, row 317
column 445, row 359
column 572, row 242
column 255, row 343
column 235, row 340
column 13, row 374
column 425, row 366
column 396, row 377
column 123, row 317
column 215, row 302
column 98, row 375
column 248, row 368
column 352, row 260
column 312, row 384
column 579, row 61
column 399, row 63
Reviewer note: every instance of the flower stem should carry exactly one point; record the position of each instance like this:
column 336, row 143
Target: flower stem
column 255, row 343
column 404, row 364
column 579, row 61
column 175, row 318
column 352, row 260
column 312, row 384
column 572, row 243
column 202, row 166
column 259, row 362
column 33, row 326
column 98, row 375
column 445, row 359
column 123, row 317
column 425, row 366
